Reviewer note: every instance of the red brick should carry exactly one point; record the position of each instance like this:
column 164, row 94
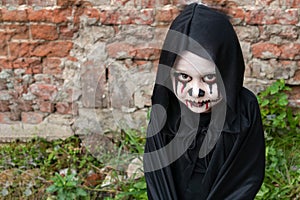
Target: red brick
column 213, row 3
column 66, row 108
column 4, row 106
column 14, row 15
column 15, row 114
column 122, row 3
column 126, row 16
column 287, row 32
column 265, row 2
column 297, row 74
column 280, row 3
column 119, row 49
column 66, row 33
column 114, row 17
column 45, row 78
column 236, row 13
column 265, row 50
column 145, row 53
column 289, row 16
column 52, row 16
column 13, row 2
column 18, row 31
column 3, row 49
column 26, row 63
column 52, row 49
column 41, row 3
column 72, row 94
column 122, row 50
column 144, row 16
column 13, row 93
column 62, row 15
column 88, row 12
column 32, row 65
column 72, row 58
column 151, row 3
column 36, row 69
column 294, row 94
column 44, row 32
column 41, row 15
column 52, row 66
column 4, row 36
column 290, row 32
column 20, row 49
column 67, row 3
column 32, row 117
column 92, row 13
column 290, row 51
column 5, row 118
column 272, row 16
column 166, row 14
column 46, row 106
column 24, row 105
column 3, row 85
column 44, row 91
column 5, row 64
column 20, row 89
column 260, row 16
column 6, row 95
column 292, row 3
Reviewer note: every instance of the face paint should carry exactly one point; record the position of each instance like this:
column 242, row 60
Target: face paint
column 183, row 86
column 210, row 88
column 177, row 80
column 201, row 93
column 194, row 82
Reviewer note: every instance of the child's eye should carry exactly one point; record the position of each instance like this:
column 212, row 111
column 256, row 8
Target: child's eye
column 182, row 77
column 210, row 78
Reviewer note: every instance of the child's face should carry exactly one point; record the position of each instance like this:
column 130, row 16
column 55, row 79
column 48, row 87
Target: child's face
column 194, row 82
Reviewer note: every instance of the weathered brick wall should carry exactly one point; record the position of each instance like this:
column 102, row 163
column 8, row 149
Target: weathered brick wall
column 70, row 66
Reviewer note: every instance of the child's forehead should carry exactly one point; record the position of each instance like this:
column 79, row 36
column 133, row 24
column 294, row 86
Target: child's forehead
column 190, row 62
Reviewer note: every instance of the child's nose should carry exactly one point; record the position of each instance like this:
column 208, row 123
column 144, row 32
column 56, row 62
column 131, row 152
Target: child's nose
column 196, row 92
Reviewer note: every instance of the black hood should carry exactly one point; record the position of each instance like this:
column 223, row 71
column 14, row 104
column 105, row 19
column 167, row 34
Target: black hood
column 209, row 34
column 224, row 147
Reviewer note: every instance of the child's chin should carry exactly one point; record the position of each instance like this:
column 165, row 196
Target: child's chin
column 200, row 109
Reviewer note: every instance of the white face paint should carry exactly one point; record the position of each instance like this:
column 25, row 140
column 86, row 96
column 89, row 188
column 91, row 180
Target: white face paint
column 194, row 82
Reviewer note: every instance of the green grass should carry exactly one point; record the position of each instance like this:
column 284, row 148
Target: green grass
column 32, row 170
column 28, row 169
column 282, row 177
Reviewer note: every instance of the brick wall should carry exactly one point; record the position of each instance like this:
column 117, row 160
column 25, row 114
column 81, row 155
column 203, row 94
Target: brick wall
column 70, row 66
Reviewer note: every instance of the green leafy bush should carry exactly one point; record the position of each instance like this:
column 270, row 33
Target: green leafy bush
column 28, row 170
column 281, row 124
column 66, row 187
column 282, row 176
column 277, row 116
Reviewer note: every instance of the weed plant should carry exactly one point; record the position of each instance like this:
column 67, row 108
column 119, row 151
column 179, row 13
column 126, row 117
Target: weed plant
column 67, row 169
column 282, row 134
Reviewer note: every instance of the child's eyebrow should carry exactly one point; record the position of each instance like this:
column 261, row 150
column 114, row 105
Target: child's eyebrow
column 179, row 71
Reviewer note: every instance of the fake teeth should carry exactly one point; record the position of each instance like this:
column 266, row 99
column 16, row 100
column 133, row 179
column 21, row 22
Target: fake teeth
column 200, row 103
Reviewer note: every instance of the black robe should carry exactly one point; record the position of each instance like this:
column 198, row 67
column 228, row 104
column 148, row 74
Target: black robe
column 217, row 155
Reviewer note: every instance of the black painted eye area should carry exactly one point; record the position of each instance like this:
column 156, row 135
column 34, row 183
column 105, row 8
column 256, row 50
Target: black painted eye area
column 182, row 77
column 210, row 78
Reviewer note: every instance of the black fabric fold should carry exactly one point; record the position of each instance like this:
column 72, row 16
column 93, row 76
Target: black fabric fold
column 231, row 166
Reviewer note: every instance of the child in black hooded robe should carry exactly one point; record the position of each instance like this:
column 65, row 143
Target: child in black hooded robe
column 205, row 137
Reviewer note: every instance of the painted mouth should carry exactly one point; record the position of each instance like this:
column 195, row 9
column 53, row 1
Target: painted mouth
column 200, row 103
